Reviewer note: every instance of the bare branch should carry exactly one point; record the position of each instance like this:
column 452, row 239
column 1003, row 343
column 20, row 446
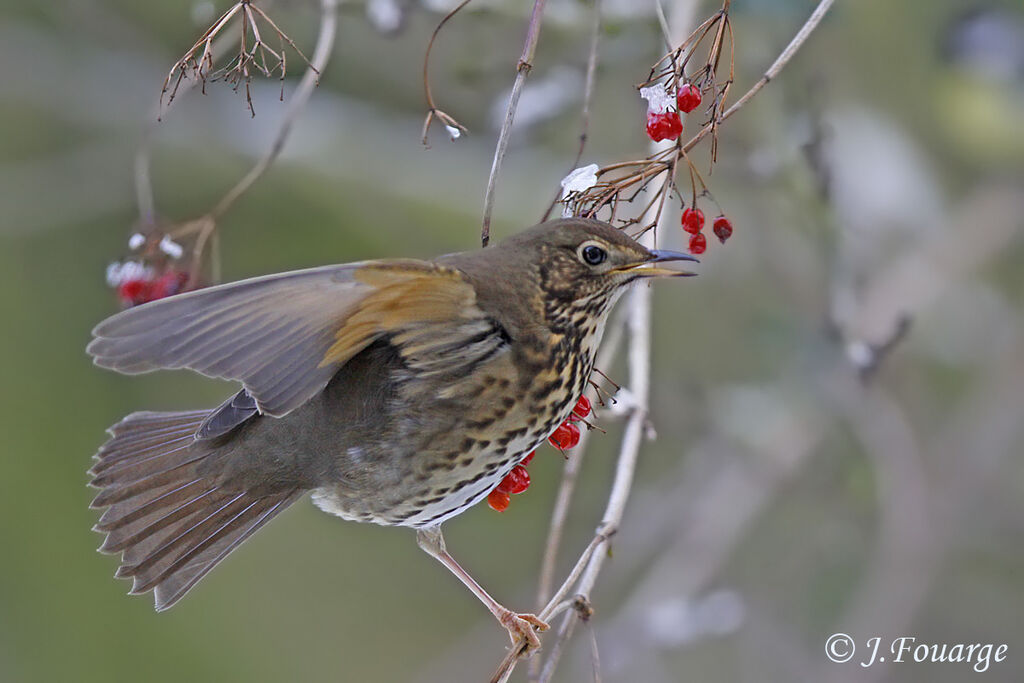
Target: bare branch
column 322, row 52
column 588, row 94
column 609, row 192
column 773, row 71
column 249, row 57
column 522, row 70
column 143, row 182
column 565, row 631
column 202, row 231
column 639, row 325
column 567, row 486
column 434, row 112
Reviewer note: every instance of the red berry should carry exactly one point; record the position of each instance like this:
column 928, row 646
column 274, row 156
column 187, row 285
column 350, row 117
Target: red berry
column 516, row 481
column 168, row 284
column 688, row 98
column 693, row 220
column 582, row 408
column 134, row 292
column 498, row 500
column 664, row 126
column 560, row 437
column 698, row 243
column 566, row 436
column 723, row 228
column 574, row 435
column 529, row 456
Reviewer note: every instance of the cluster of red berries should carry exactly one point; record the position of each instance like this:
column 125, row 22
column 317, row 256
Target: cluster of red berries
column 145, row 288
column 518, row 480
column 664, row 123
column 693, row 223
column 151, row 275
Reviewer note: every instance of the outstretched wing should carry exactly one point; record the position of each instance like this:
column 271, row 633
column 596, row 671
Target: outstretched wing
column 283, row 336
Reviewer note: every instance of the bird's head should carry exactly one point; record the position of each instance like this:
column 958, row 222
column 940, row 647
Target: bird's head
column 587, row 263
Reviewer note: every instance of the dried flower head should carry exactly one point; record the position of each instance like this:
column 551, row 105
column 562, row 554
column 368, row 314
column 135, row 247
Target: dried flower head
column 254, row 55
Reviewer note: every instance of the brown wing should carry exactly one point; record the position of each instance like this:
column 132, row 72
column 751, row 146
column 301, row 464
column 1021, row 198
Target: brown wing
column 283, row 336
column 404, row 300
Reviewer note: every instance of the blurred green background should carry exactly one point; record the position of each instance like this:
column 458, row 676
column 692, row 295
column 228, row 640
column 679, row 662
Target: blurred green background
column 783, row 499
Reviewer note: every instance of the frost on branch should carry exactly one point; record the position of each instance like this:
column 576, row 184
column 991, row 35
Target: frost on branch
column 658, row 99
column 576, row 183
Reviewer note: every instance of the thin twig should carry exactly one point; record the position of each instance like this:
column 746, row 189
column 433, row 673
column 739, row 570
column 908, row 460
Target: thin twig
column 322, row 52
column 433, row 111
column 595, row 658
column 143, row 182
column 639, row 370
column 663, row 24
column 249, row 56
column 639, row 383
column 554, row 605
column 588, row 94
column 144, row 196
column 608, row 193
column 567, row 487
column 639, row 373
column 773, row 71
column 522, row 70
column 638, row 322
column 202, row 67
column 565, row 630
column 203, row 229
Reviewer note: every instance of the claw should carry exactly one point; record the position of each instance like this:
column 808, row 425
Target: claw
column 523, row 628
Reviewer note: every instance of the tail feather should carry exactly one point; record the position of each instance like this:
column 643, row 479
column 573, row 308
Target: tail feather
column 165, row 512
column 195, row 565
column 189, row 532
column 146, row 466
column 125, row 509
column 140, row 453
column 146, row 431
column 149, row 547
column 118, row 492
column 119, row 516
column 132, row 529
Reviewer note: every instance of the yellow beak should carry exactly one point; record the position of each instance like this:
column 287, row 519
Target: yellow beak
column 645, row 269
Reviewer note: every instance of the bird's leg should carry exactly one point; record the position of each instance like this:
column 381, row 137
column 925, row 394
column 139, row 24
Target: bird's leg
column 520, row 627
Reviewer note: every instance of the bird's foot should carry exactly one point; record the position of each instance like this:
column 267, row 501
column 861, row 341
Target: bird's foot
column 522, row 628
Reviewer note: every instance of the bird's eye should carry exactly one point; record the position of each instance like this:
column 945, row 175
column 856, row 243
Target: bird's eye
column 593, row 255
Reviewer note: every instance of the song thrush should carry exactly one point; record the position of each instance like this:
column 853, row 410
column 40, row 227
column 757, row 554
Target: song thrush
column 399, row 392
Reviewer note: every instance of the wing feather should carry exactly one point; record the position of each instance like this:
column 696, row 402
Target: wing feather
column 283, row 336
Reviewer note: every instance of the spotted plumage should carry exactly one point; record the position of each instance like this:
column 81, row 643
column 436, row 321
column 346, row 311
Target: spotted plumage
column 397, row 392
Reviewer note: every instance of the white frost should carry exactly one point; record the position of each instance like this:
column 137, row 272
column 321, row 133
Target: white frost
column 658, row 99
column 453, row 132
column 114, row 274
column 171, row 248
column 129, row 270
column 579, row 180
